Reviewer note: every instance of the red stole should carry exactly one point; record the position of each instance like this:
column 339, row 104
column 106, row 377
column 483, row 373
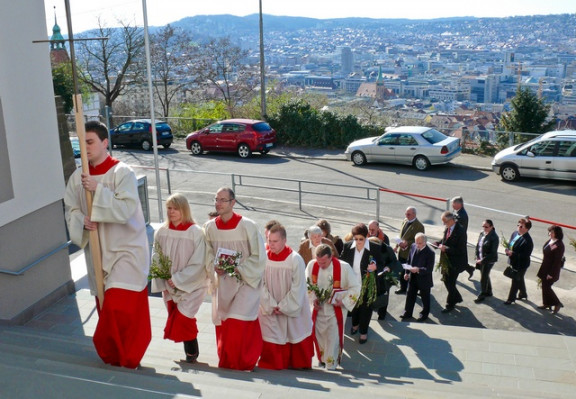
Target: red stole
column 336, row 278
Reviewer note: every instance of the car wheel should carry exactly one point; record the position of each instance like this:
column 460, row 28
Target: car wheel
column 358, row 158
column 421, row 162
column 244, row 151
column 509, row 172
column 146, row 145
column 196, row 148
column 166, row 145
column 264, row 152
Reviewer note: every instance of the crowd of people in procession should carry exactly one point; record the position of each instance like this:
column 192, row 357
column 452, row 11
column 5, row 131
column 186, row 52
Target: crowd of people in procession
column 272, row 306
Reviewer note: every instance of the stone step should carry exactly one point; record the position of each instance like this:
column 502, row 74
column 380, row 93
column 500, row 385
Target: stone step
column 59, row 364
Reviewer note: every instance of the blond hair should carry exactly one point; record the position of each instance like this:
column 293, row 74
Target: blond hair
column 179, row 202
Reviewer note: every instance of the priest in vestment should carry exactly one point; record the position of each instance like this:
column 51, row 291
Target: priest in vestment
column 285, row 317
column 326, row 272
column 123, row 331
column 235, row 293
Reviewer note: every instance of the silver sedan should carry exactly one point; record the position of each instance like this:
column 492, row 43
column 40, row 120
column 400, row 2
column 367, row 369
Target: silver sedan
column 406, row 145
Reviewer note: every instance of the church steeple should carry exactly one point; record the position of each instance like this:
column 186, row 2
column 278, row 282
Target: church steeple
column 56, row 40
column 58, row 52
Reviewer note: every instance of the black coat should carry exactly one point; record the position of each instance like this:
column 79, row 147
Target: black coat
column 371, row 249
column 425, row 261
column 489, row 248
column 521, row 251
column 456, row 247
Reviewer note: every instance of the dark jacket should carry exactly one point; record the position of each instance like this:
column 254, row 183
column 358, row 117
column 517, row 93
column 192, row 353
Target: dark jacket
column 489, row 248
column 425, row 261
column 371, row 249
column 462, row 218
column 552, row 261
column 521, row 251
column 456, row 247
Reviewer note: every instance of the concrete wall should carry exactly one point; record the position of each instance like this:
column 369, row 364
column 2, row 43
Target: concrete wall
column 31, row 178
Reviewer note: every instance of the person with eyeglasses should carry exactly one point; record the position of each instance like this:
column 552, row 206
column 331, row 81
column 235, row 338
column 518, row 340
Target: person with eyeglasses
column 486, row 257
column 365, row 257
column 549, row 272
column 236, row 296
column 518, row 253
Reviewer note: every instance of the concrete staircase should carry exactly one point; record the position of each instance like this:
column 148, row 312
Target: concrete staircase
column 53, row 357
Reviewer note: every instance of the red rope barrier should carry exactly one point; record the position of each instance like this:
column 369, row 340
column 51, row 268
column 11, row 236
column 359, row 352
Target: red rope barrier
column 413, row 195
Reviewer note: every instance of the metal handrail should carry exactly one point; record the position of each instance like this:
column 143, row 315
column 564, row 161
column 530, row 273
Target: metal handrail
column 37, row 261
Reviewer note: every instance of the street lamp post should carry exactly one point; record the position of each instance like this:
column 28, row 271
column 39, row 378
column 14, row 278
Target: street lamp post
column 262, row 68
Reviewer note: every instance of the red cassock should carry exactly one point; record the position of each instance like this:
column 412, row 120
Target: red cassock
column 123, row 331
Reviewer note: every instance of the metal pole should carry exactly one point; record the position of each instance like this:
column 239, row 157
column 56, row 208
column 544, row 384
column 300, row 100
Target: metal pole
column 378, row 205
column 262, row 68
column 108, row 126
column 152, row 119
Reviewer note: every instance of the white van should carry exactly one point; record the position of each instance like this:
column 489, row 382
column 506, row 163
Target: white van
column 549, row 156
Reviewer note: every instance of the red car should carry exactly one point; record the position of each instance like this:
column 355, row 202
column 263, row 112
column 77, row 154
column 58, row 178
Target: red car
column 243, row 136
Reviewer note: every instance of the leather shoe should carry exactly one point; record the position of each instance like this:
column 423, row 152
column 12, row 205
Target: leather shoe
column 470, row 270
column 479, row 299
column 400, row 292
column 381, row 317
column 422, row 319
column 557, row 308
column 362, row 341
column 508, row 302
column 405, row 317
column 353, row 330
column 448, row 309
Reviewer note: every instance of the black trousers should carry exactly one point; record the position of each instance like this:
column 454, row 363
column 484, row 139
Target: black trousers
column 549, row 297
column 518, row 287
column 403, row 283
column 454, row 296
column 411, row 299
column 361, row 316
column 485, row 283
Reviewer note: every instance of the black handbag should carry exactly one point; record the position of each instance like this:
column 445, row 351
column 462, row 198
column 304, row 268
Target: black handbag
column 510, row 273
column 383, row 295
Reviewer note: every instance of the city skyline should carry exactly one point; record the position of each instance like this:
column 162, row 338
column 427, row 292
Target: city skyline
column 85, row 14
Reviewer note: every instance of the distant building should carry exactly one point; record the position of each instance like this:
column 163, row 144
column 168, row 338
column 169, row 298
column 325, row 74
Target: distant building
column 347, row 60
column 58, row 52
column 375, row 90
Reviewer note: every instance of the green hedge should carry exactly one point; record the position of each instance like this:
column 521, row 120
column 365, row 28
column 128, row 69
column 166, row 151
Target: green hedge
column 300, row 125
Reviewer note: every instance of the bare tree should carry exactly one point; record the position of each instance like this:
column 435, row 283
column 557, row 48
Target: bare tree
column 221, row 70
column 171, row 51
column 108, row 66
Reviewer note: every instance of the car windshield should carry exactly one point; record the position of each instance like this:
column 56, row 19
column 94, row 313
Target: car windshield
column 528, row 143
column 261, row 127
column 433, row 136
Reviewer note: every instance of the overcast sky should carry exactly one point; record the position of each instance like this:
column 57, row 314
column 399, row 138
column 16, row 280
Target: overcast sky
column 85, row 13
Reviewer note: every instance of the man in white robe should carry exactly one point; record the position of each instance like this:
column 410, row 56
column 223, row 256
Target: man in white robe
column 235, row 298
column 285, row 317
column 329, row 273
column 123, row 331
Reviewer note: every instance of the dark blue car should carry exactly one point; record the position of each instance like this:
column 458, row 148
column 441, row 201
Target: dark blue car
column 138, row 133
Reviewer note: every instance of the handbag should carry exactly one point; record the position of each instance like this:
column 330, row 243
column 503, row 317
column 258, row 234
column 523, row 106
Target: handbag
column 510, row 273
column 383, row 296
